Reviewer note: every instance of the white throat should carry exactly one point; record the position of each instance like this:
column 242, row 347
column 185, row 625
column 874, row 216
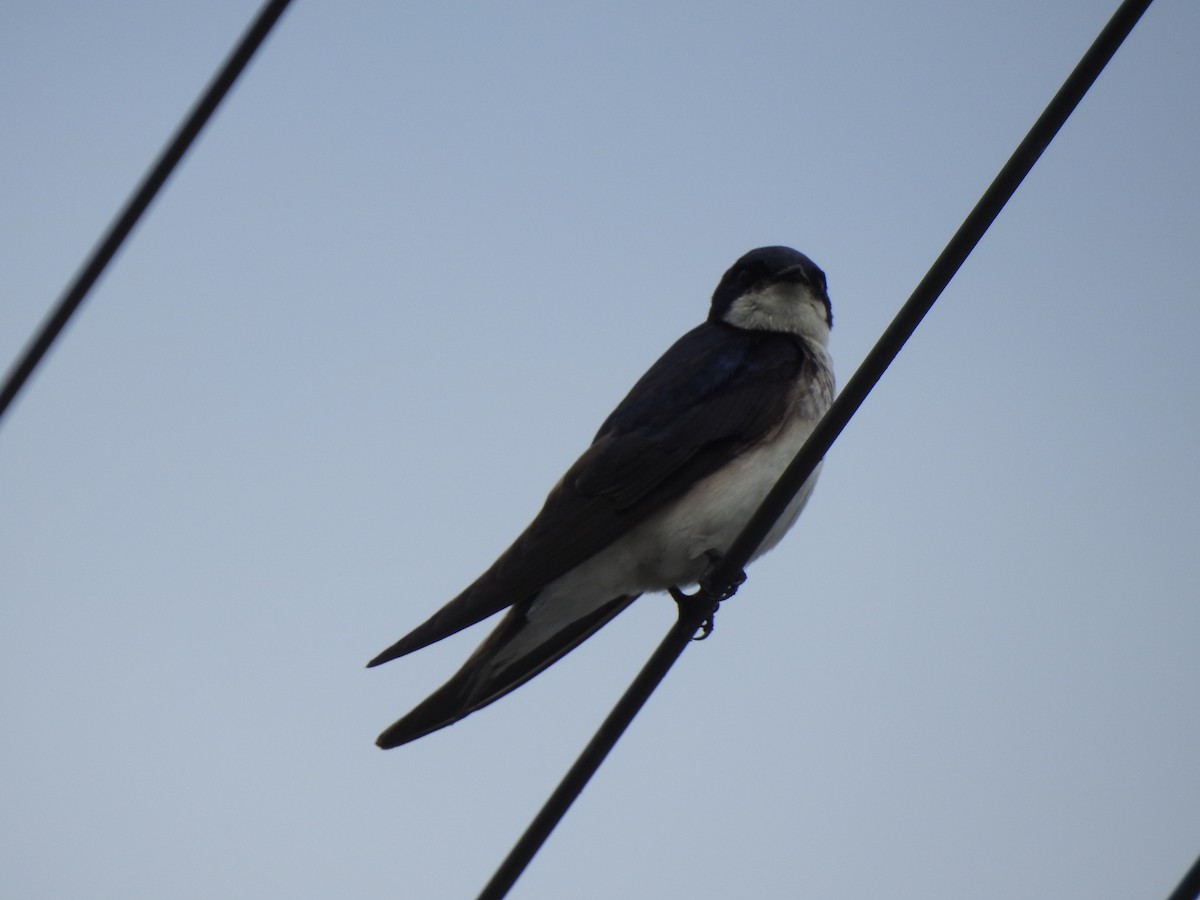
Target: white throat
column 784, row 306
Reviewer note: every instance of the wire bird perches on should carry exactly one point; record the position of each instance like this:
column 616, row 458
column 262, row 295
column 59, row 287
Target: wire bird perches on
column 1189, row 886
column 724, row 577
column 137, row 204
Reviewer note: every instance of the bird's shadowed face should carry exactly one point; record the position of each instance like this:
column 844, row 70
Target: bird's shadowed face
column 775, row 289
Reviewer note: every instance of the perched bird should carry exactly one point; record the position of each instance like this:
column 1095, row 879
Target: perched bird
column 669, row 481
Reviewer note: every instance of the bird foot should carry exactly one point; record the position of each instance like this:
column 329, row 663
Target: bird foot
column 706, row 626
column 709, row 622
column 714, row 557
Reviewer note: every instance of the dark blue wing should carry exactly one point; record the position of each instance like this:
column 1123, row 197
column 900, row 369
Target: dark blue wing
column 716, row 391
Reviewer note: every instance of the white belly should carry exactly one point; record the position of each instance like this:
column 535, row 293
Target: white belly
column 675, row 542
column 671, row 547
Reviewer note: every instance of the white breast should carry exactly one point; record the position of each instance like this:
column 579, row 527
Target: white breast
column 676, row 541
column 671, row 547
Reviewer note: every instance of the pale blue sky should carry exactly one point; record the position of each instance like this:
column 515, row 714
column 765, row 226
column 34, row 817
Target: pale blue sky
column 415, row 260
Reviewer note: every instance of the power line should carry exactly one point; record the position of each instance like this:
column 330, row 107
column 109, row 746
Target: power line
column 142, row 197
column 727, row 575
column 691, row 617
column 1189, row 887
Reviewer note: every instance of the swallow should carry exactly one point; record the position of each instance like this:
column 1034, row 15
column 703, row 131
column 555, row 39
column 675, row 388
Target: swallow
column 670, row 479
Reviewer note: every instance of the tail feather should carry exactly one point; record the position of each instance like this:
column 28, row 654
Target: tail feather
column 482, row 680
column 473, row 605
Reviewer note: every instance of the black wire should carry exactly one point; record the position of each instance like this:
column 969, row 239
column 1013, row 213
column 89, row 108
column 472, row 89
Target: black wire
column 691, row 617
column 1189, row 887
column 140, row 200
column 727, row 574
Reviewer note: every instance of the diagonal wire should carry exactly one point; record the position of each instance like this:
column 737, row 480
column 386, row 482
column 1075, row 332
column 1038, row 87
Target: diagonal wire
column 1189, row 887
column 727, row 574
column 142, row 197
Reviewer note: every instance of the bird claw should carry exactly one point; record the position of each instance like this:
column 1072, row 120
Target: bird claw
column 677, row 595
column 714, row 557
column 710, row 621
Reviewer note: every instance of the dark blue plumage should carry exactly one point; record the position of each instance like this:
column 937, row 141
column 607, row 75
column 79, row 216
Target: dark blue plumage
column 670, row 477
